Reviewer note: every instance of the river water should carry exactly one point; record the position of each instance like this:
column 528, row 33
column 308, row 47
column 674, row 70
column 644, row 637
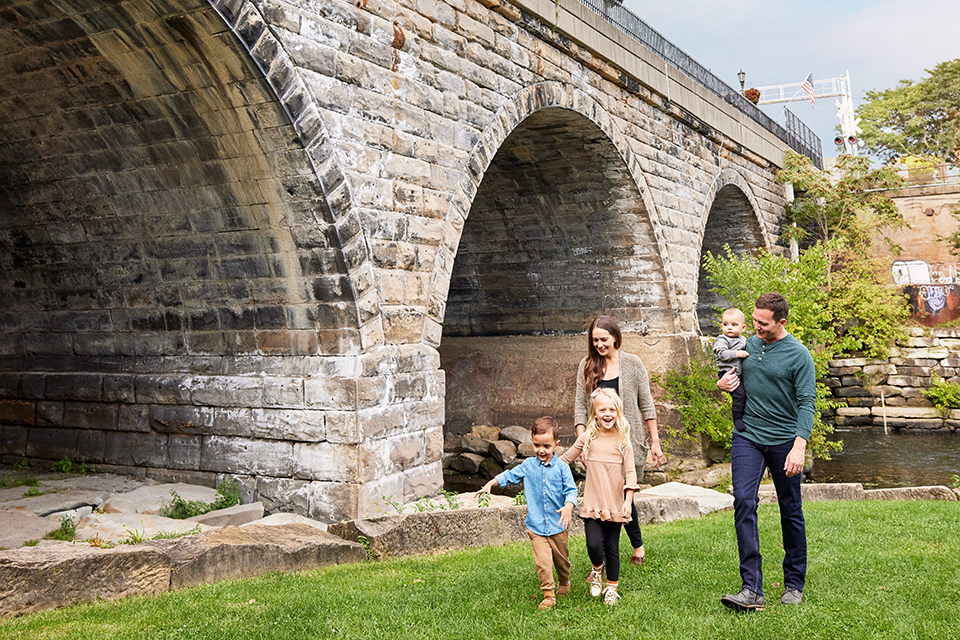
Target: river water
column 904, row 459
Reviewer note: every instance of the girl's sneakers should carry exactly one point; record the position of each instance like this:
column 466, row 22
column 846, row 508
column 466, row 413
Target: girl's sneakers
column 595, row 578
column 610, row 595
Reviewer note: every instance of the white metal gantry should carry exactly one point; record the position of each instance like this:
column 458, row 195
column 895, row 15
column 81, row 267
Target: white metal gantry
column 838, row 88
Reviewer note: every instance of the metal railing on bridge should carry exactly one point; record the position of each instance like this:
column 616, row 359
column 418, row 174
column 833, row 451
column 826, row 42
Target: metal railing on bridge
column 796, row 134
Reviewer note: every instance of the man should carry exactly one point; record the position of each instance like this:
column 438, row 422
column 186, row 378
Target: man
column 780, row 380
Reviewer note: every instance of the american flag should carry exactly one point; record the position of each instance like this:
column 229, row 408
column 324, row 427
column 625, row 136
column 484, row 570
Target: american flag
column 807, row 87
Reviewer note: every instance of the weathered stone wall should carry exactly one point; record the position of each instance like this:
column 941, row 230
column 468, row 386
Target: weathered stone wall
column 889, row 392
column 229, row 230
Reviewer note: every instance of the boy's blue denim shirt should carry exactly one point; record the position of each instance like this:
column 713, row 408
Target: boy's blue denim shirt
column 547, row 488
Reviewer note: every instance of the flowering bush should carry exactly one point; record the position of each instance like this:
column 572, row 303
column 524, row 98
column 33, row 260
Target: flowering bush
column 753, row 95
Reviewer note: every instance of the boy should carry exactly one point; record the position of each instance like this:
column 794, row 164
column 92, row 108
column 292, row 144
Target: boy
column 728, row 348
column 549, row 488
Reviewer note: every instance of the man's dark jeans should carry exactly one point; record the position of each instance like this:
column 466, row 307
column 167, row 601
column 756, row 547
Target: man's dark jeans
column 749, row 461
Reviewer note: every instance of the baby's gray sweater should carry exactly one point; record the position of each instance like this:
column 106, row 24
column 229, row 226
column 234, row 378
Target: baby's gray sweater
column 725, row 349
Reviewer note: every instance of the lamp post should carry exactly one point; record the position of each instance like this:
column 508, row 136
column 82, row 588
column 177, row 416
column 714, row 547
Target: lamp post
column 741, row 76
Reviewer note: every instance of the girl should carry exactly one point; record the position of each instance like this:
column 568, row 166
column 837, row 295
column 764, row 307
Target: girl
column 608, row 494
column 607, row 366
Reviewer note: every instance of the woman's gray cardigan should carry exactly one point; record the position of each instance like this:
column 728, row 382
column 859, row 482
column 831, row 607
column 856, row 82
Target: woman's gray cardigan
column 638, row 405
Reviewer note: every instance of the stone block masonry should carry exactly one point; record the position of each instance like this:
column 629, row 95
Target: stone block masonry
column 233, row 233
column 890, row 392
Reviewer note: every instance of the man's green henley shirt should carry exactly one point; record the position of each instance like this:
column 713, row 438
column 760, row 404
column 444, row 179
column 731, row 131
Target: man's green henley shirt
column 781, row 386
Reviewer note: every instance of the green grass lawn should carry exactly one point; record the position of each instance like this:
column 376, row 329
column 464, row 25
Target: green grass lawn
column 876, row 570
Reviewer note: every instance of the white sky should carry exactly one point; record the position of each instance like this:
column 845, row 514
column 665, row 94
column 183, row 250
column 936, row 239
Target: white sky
column 779, row 42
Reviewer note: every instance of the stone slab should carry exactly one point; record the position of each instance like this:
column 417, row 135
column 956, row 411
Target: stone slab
column 242, row 552
column 816, row 492
column 708, row 500
column 231, row 516
column 150, row 500
column 911, row 493
column 439, row 531
column 48, row 503
column 114, row 527
column 277, row 519
column 19, row 525
column 53, row 575
column 657, row 509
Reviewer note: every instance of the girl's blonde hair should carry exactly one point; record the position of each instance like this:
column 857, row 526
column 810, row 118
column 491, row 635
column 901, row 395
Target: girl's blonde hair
column 593, row 428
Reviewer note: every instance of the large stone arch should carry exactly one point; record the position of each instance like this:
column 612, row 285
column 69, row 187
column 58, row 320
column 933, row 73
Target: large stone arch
column 553, row 259
column 730, row 217
column 526, row 103
column 186, row 285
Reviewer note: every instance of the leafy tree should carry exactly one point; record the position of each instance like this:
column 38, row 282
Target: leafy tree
column 848, row 204
column 921, row 119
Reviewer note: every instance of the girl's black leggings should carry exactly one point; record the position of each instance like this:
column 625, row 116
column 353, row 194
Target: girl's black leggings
column 603, row 545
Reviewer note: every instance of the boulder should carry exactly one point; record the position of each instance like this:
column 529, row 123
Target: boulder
column 526, row 450
column 515, row 434
column 468, row 463
column 490, row 468
column 716, row 453
column 475, row 444
column 241, row 552
column 503, row 451
column 151, row 500
column 485, row 432
column 53, row 575
column 911, row 493
column 231, row 516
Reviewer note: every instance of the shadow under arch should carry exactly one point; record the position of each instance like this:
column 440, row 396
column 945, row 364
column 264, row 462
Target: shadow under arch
column 733, row 220
column 559, row 227
column 182, row 183
column 585, row 219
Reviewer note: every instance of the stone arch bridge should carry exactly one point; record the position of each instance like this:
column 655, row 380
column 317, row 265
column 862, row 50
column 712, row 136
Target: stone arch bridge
column 238, row 236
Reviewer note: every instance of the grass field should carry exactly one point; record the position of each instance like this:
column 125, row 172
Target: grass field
column 876, row 570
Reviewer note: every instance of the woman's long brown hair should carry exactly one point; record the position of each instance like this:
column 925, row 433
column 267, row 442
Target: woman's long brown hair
column 594, row 369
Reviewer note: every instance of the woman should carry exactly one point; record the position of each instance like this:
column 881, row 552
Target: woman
column 607, row 367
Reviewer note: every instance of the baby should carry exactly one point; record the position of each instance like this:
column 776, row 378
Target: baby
column 728, row 348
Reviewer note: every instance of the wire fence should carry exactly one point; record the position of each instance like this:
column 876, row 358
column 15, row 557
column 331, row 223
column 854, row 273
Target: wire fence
column 797, row 135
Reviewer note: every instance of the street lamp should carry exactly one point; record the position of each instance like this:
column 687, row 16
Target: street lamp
column 742, row 78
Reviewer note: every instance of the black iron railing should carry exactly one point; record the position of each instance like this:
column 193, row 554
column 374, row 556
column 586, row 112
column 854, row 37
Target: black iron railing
column 800, row 138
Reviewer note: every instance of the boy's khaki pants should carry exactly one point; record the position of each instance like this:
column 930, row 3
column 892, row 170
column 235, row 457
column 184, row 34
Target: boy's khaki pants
column 550, row 552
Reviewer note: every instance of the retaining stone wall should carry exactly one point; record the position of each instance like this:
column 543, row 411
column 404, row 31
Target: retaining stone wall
column 889, row 392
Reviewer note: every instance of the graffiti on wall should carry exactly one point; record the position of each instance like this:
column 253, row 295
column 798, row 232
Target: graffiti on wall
column 934, row 304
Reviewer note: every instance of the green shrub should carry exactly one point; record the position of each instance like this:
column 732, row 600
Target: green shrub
column 179, row 509
column 944, row 395
column 67, row 530
column 705, row 409
column 63, row 466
